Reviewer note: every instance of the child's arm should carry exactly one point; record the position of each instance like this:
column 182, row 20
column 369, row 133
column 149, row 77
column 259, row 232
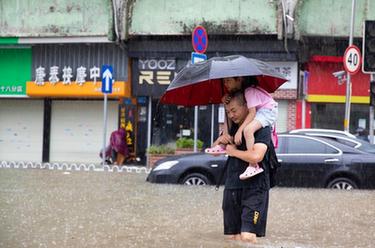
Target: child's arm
column 227, row 122
column 249, row 118
column 223, row 139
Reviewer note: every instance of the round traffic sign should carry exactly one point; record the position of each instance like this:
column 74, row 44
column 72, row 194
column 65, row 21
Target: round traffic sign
column 199, row 39
column 352, row 59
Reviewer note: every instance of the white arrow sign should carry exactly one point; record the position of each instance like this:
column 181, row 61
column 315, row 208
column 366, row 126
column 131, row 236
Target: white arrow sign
column 107, row 79
column 107, row 75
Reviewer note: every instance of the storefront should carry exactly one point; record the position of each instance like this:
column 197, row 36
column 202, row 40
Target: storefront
column 67, row 78
column 21, row 119
column 326, row 96
column 150, row 78
column 155, row 62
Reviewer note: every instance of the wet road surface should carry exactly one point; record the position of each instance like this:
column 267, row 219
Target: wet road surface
column 51, row 208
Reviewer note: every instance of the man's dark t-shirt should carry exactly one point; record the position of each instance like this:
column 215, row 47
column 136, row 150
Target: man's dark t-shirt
column 237, row 166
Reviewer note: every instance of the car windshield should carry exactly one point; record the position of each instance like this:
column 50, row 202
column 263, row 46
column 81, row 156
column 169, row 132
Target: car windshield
column 366, row 146
column 303, row 145
column 352, row 142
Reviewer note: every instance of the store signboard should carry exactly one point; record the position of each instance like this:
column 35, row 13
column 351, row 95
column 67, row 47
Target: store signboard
column 128, row 112
column 15, row 70
column 89, row 89
column 151, row 76
column 289, row 69
column 61, row 82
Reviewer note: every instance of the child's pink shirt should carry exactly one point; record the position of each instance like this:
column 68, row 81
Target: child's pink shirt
column 259, row 98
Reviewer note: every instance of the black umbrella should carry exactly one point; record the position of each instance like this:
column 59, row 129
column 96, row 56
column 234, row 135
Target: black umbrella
column 201, row 84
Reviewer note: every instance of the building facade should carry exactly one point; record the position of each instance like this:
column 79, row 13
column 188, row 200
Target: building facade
column 148, row 42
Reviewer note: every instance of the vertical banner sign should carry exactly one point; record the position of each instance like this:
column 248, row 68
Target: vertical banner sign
column 127, row 121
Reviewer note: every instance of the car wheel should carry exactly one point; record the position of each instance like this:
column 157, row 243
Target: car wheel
column 342, row 183
column 195, row 179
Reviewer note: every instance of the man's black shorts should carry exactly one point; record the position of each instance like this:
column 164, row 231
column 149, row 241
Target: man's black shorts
column 245, row 210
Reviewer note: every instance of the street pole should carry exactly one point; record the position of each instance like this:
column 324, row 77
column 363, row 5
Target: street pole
column 149, row 128
column 212, row 123
column 105, row 128
column 195, row 128
column 348, row 82
column 303, row 119
column 371, row 114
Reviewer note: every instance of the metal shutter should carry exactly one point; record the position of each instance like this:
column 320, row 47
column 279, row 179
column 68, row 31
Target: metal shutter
column 77, row 130
column 21, row 130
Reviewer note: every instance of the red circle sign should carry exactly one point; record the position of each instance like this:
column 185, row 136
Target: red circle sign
column 199, row 39
column 352, row 59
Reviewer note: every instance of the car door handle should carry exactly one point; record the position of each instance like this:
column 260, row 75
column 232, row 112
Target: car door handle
column 328, row 160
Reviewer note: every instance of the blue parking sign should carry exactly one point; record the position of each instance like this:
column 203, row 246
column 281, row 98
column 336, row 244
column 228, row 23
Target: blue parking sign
column 198, row 57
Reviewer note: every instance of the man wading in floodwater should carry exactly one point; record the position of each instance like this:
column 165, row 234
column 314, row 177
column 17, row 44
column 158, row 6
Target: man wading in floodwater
column 245, row 202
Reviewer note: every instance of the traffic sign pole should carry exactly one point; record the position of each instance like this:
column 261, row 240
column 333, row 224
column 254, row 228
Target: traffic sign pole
column 348, row 81
column 104, row 127
column 371, row 113
column 200, row 42
column 107, row 80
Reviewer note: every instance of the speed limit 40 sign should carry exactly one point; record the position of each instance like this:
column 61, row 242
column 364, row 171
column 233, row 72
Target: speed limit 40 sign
column 352, row 59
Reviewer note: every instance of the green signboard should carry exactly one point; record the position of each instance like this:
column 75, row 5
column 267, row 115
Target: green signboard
column 15, row 70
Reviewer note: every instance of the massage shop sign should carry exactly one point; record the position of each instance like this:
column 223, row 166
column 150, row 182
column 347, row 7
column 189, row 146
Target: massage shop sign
column 69, row 82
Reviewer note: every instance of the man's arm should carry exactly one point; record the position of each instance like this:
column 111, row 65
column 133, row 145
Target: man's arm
column 256, row 155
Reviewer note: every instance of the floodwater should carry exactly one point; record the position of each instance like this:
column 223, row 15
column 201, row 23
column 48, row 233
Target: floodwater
column 51, row 208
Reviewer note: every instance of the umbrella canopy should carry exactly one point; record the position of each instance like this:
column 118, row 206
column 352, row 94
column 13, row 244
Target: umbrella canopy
column 201, row 84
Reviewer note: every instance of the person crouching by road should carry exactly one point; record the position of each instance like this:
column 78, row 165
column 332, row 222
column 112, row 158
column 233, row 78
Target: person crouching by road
column 119, row 146
column 245, row 202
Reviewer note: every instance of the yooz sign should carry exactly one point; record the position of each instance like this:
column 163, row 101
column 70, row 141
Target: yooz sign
column 157, row 64
column 156, row 71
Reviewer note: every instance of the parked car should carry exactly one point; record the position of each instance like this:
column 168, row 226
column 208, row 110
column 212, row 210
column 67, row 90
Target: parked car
column 189, row 169
column 306, row 161
column 322, row 131
column 339, row 136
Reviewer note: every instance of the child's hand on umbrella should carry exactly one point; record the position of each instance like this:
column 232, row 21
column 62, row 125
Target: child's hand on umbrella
column 226, row 99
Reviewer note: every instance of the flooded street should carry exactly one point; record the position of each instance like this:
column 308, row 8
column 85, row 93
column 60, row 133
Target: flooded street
column 51, row 208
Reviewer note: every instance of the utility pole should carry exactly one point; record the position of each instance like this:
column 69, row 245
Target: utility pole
column 348, row 81
column 371, row 111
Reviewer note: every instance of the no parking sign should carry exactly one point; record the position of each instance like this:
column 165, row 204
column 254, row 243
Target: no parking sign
column 199, row 39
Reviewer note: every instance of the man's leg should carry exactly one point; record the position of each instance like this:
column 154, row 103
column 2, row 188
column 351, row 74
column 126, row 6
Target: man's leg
column 232, row 214
column 261, row 231
column 254, row 206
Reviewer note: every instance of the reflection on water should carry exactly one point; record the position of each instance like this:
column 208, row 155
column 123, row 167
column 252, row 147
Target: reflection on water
column 43, row 208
